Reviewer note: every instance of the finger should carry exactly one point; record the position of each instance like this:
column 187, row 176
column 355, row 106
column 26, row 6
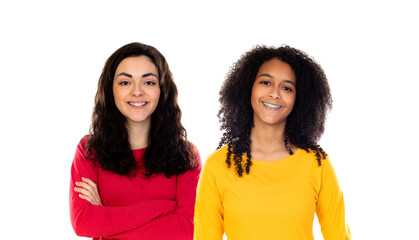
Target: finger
column 92, row 185
column 84, row 192
column 85, row 198
column 92, row 197
column 88, row 181
column 93, row 191
column 86, row 195
column 85, row 186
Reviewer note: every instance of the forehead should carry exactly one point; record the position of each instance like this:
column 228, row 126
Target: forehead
column 277, row 68
column 137, row 64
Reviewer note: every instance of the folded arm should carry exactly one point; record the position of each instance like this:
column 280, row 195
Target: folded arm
column 95, row 220
column 176, row 225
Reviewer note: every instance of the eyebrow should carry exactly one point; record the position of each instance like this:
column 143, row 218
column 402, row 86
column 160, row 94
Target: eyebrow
column 289, row 81
column 270, row 76
column 265, row 75
column 130, row 76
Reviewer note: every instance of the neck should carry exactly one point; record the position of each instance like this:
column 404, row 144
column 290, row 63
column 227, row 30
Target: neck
column 138, row 134
column 268, row 136
column 267, row 142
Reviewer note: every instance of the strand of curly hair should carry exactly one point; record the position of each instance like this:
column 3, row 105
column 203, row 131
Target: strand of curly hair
column 305, row 124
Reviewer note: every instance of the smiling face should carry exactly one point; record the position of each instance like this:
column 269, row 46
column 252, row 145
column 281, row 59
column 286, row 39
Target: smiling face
column 136, row 89
column 273, row 93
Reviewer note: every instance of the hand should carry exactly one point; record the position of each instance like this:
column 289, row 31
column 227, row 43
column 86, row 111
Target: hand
column 88, row 191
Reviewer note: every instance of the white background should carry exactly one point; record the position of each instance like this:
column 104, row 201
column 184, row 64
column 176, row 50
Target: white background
column 52, row 54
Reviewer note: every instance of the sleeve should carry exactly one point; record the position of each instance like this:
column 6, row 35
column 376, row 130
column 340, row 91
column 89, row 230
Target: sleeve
column 94, row 221
column 209, row 212
column 331, row 207
column 177, row 225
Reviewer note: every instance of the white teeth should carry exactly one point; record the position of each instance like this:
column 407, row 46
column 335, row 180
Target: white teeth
column 137, row 104
column 271, row 105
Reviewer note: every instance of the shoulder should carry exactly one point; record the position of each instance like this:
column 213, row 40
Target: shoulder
column 196, row 157
column 82, row 163
column 311, row 155
column 217, row 158
column 82, row 155
column 309, row 166
column 81, row 146
column 83, row 141
column 194, row 149
column 215, row 171
column 307, row 161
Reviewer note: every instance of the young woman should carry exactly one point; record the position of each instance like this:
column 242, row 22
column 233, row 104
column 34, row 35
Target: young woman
column 271, row 176
column 135, row 175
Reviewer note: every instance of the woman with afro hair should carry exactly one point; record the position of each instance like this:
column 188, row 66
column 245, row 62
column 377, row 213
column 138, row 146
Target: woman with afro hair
column 269, row 176
column 135, row 175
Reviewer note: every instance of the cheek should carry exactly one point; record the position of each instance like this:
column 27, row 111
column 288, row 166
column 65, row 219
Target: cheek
column 115, row 90
column 116, row 95
column 155, row 95
column 254, row 97
column 253, row 101
column 119, row 97
column 291, row 102
column 158, row 94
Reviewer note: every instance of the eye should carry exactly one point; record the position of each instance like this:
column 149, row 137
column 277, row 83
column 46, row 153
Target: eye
column 288, row 89
column 123, row 83
column 150, row 83
column 265, row 83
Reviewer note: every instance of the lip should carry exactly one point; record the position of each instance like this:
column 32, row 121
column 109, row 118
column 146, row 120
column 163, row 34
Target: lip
column 271, row 106
column 137, row 104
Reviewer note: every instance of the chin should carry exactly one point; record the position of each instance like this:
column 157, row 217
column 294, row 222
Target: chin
column 138, row 119
column 272, row 121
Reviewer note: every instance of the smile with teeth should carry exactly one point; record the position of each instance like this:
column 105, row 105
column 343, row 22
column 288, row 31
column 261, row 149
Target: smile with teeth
column 271, row 105
column 137, row 104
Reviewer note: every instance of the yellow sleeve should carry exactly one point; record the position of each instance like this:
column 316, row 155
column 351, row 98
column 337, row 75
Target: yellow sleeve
column 331, row 207
column 208, row 218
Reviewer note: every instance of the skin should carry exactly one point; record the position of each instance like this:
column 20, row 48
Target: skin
column 136, row 92
column 272, row 100
column 137, row 82
column 88, row 191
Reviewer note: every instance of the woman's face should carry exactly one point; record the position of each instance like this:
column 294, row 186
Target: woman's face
column 136, row 89
column 273, row 93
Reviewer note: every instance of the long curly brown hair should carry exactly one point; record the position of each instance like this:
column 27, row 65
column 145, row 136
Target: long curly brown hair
column 305, row 124
column 168, row 150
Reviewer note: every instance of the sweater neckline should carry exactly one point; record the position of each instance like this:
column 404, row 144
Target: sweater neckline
column 281, row 161
column 139, row 149
column 139, row 154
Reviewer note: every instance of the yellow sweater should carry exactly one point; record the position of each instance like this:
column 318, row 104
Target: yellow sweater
column 277, row 200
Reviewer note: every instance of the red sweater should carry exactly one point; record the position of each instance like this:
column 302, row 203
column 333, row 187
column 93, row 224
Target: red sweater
column 135, row 207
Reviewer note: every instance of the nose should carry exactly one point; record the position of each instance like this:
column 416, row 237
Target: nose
column 137, row 91
column 275, row 93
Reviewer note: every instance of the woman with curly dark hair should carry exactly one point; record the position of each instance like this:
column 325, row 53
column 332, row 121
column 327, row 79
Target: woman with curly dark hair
column 134, row 176
column 271, row 176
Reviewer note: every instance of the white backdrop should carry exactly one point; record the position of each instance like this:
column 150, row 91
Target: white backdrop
column 52, row 54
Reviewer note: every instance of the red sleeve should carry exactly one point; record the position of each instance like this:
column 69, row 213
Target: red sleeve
column 94, row 221
column 177, row 225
